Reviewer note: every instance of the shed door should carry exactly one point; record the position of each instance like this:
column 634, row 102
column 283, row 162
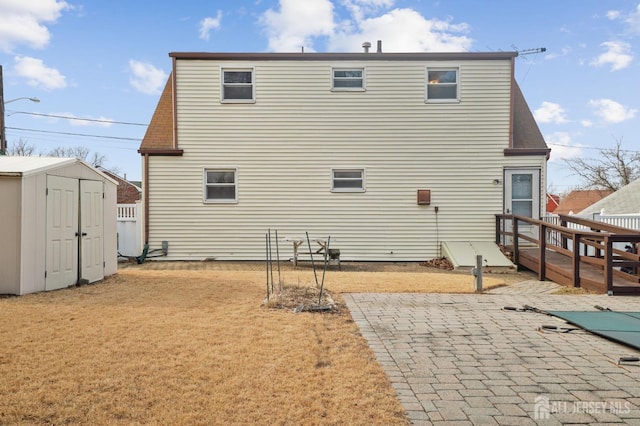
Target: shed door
column 91, row 228
column 62, row 226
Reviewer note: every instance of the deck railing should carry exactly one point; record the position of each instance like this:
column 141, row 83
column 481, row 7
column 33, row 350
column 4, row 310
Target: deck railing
column 583, row 241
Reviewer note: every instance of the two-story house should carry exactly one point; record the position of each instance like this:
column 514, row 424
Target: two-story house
column 390, row 154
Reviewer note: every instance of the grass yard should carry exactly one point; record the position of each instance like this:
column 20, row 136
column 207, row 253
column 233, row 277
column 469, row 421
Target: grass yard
column 166, row 344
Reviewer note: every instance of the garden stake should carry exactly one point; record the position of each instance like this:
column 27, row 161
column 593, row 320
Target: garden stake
column 271, row 260
column 266, row 244
column 312, row 264
column 326, row 257
column 278, row 260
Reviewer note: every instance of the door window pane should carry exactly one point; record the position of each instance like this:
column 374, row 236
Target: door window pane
column 522, row 186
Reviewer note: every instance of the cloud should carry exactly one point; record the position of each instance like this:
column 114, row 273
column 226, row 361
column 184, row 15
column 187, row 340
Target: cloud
column 633, row 20
column 617, row 55
column 405, row 30
column 361, row 8
column 553, row 55
column 146, row 78
column 208, row 24
column 611, row 111
column 37, row 74
column 550, row 112
column 613, row 14
column 23, row 22
column 562, row 147
column 86, row 121
column 296, row 23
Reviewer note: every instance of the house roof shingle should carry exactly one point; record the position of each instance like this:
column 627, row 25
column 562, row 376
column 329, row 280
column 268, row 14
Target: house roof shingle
column 526, row 133
column 159, row 135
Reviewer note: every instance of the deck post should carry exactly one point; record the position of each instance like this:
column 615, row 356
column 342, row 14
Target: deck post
column 516, row 255
column 608, row 266
column 542, row 242
column 575, row 260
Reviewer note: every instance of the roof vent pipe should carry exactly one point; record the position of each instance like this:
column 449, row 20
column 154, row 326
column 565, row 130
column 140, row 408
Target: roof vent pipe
column 366, row 45
column 379, row 46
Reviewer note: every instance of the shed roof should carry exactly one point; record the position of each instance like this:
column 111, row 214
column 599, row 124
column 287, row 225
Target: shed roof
column 26, row 166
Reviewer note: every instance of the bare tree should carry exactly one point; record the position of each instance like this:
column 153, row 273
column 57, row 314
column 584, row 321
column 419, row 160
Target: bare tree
column 80, row 152
column 615, row 168
column 21, row 148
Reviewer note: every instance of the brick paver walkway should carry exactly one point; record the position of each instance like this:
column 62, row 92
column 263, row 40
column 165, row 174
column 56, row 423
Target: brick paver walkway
column 463, row 359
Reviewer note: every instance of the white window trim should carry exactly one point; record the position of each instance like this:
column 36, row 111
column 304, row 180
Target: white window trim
column 205, row 200
column 349, row 169
column 349, row 89
column 426, row 85
column 253, row 86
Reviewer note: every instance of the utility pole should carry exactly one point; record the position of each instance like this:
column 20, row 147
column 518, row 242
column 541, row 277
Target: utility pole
column 3, row 138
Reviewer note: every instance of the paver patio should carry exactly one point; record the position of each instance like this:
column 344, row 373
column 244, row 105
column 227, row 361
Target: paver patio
column 463, row 359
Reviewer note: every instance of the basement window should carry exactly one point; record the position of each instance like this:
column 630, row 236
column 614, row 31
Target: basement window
column 220, row 186
column 348, row 79
column 442, row 84
column 237, row 85
column 347, row 180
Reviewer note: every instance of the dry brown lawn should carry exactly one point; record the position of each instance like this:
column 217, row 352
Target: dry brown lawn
column 183, row 344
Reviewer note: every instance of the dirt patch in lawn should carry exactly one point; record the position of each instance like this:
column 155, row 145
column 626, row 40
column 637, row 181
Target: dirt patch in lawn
column 176, row 344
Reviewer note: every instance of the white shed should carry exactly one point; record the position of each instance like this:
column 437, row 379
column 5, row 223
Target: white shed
column 57, row 224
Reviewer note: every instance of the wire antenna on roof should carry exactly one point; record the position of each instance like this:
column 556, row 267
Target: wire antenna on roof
column 530, row 51
column 524, row 52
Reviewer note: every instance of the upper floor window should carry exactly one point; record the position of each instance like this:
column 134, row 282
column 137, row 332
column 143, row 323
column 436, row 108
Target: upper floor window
column 347, row 180
column 442, row 84
column 348, row 79
column 220, row 185
column 237, row 85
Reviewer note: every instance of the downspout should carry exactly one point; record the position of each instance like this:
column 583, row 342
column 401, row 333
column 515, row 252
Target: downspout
column 174, row 103
column 145, row 191
column 511, row 101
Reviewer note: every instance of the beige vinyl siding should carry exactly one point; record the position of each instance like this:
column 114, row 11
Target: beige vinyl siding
column 286, row 144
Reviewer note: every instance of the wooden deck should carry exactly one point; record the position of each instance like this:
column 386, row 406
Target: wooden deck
column 559, row 269
column 574, row 253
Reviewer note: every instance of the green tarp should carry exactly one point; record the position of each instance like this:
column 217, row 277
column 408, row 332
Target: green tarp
column 622, row 327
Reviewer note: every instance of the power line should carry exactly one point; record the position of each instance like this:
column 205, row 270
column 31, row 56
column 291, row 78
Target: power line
column 589, row 147
column 79, row 118
column 75, row 134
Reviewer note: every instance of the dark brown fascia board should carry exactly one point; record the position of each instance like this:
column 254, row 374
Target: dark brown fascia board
column 422, row 56
column 513, row 152
column 163, row 151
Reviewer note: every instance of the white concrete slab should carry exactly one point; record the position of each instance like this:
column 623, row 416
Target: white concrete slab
column 463, row 254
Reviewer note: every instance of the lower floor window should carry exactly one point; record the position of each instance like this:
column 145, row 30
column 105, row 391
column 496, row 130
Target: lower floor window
column 220, row 185
column 347, row 180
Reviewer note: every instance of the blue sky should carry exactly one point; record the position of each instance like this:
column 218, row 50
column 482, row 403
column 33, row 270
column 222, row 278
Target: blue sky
column 108, row 60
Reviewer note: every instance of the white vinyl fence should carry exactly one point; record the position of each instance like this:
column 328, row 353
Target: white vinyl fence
column 630, row 221
column 129, row 230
